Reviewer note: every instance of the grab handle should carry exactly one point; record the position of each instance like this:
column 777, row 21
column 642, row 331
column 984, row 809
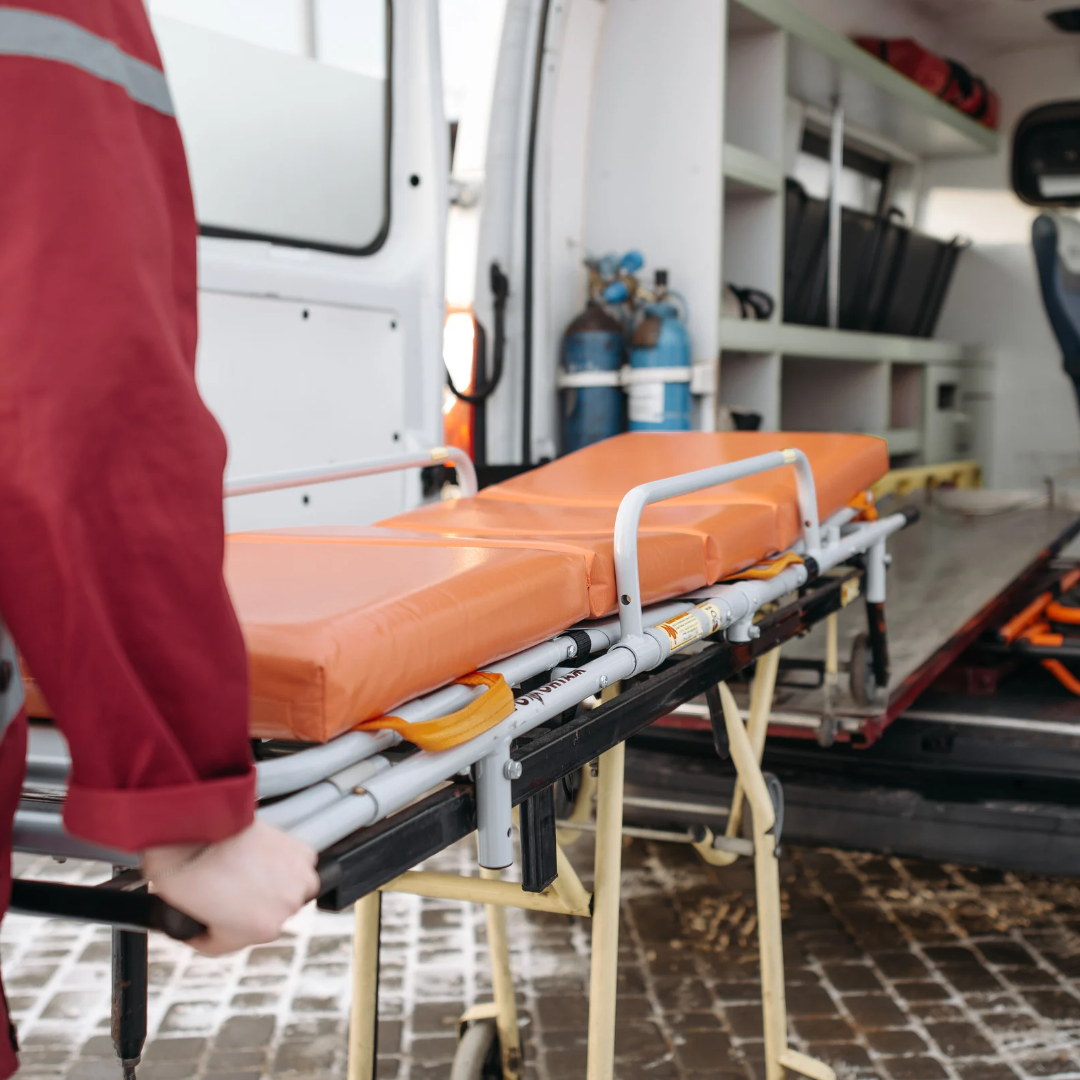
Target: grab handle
column 628, row 519
column 138, row 911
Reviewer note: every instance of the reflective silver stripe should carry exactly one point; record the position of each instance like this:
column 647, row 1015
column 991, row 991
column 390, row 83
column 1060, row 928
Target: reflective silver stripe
column 12, row 694
column 46, row 37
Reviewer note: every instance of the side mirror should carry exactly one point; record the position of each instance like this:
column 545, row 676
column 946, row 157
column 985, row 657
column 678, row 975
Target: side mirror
column 1046, row 155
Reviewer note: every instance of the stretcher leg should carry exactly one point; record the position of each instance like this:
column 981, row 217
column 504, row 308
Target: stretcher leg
column 363, row 1020
column 502, row 986
column 757, row 726
column 603, row 976
column 778, row 1056
column 130, row 978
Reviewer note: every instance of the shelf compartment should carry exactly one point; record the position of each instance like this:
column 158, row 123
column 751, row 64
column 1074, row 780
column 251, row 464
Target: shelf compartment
column 748, row 173
column 824, row 65
column 790, row 339
column 751, row 383
column 833, row 395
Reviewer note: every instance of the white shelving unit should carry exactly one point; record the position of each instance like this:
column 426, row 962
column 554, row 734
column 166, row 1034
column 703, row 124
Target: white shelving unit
column 781, row 62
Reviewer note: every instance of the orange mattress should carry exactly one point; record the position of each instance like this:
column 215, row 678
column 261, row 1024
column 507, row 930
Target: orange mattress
column 344, row 623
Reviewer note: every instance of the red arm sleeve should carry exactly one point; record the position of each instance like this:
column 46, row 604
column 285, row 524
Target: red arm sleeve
column 111, row 531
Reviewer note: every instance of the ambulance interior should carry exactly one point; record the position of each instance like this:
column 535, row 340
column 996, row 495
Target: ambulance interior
column 421, row 206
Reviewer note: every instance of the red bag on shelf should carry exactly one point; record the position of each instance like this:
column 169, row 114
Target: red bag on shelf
column 945, row 79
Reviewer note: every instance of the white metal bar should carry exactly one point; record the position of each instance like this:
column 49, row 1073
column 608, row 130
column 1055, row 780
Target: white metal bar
column 628, row 519
column 1000, row 723
column 254, row 485
column 291, row 772
column 836, row 165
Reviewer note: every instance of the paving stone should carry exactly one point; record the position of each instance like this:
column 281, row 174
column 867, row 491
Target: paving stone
column 1052, row 1064
column 1054, row 1004
column 959, row 1039
column 984, row 1070
column 874, row 1011
column 847, row 977
column 810, row 1001
column 923, row 990
column 844, row 1057
column 242, row 1032
column 895, row 1041
column 434, row 1048
column 703, row 1051
column 824, row 1029
column 917, row 1067
column 969, row 979
column 181, row 1049
column 1006, row 954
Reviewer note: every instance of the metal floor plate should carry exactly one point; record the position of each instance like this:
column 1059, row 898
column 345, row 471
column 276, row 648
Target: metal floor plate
column 946, row 569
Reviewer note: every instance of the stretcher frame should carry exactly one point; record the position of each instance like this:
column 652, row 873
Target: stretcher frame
column 373, row 832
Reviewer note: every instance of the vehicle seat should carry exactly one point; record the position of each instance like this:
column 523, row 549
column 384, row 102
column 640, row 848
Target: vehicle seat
column 1056, row 241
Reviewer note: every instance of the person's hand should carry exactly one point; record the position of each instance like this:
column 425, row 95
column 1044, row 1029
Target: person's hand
column 242, row 889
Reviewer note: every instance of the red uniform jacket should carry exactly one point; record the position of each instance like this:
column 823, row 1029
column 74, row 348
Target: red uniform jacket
column 111, row 529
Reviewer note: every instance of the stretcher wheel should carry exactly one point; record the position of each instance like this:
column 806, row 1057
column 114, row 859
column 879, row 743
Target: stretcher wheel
column 864, row 687
column 477, row 1056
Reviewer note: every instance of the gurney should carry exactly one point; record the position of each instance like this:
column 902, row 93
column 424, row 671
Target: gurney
column 440, row 672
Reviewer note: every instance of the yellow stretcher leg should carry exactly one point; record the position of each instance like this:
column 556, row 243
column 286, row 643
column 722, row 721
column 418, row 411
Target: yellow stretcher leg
column 365, row 988
column 603, row 975
column 502, row 986
column 778, row 1055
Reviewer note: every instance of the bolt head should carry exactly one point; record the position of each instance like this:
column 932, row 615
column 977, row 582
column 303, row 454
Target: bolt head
column 603, row 682
column 753, row 632
column 512, row 770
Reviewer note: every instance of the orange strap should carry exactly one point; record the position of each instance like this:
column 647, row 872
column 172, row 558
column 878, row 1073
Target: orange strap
column 483, row 712
column 1020, row 622
column 764, row 571
column 864, row 503
column 1042, row 634
column 1063, row 675
column 1063, row 613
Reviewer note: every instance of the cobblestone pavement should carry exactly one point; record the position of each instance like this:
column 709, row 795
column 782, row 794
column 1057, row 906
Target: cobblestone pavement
column 898, row 969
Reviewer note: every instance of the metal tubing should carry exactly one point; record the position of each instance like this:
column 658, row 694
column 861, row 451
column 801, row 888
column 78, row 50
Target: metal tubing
column 130, row 979
column 757, row 726
column 875, row 573
column 254, row 485
column 494, row 823
column 767, row 882
column 502, row 986
column 603, row 975
column 836, row 165
column 291, row 811
column 628, row 519
column 292, row 772
column 567, row 885
column 41, row 832
column 482, row 891
column 363, row 1019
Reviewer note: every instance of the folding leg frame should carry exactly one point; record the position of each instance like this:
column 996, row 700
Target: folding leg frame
column 567, row 896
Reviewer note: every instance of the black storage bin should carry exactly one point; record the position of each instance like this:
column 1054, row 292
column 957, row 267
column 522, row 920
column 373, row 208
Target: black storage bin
column 892, row 280
column 806, row 233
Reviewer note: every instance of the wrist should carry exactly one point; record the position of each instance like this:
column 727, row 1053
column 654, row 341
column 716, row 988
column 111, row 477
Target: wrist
column 167, row 859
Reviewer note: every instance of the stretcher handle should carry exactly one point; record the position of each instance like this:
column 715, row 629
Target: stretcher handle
column 139, row 911
column 441, row 455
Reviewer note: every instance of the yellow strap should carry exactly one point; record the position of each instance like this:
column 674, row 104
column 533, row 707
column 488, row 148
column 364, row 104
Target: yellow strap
column 764, row 571
column 483, row 712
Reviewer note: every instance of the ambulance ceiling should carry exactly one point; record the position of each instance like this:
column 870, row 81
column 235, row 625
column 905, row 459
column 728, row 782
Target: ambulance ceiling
column 996, row 24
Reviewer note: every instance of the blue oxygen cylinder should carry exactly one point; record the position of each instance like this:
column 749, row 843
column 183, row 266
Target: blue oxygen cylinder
column 592, row 396
column 659, row 377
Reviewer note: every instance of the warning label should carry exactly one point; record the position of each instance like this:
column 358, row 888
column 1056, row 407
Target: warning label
column 686, row 628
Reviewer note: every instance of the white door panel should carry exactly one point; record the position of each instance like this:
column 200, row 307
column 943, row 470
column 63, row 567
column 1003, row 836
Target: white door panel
column 297, row 385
